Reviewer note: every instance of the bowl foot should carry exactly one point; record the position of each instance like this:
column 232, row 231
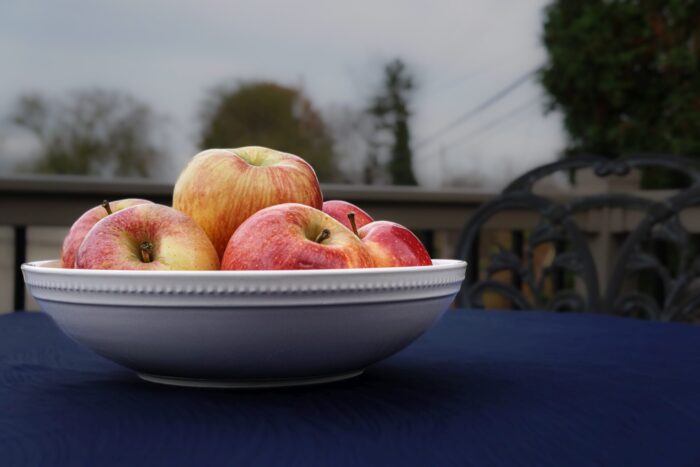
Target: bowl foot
column 247, row 383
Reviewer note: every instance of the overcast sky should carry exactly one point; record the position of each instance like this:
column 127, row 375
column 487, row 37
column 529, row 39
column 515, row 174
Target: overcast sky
column 168, row 53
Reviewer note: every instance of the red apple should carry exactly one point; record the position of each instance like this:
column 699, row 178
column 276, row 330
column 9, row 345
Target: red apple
column 82, row 226
column 147, row 237
column 393, row 245
column 339, row 211
column 294, row 236
column 221, row 188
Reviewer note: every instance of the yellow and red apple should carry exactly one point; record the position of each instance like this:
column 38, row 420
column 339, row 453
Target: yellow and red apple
column 82, row 226
column 147, row 237
column 294, row 236
column 221, row 188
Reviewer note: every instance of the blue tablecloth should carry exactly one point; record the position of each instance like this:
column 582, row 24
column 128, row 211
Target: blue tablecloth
column 481, row 389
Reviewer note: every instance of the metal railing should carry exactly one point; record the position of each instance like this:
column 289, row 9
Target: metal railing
column 650, row 272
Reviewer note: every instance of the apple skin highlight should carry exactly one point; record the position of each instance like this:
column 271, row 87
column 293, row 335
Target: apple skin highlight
column 284, row 237
column 221, row 188
column 84, row 223
column 393, row 245
column 178, row 242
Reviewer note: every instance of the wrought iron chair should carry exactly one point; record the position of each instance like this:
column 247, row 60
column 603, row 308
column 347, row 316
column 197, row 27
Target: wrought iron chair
column 659, row 248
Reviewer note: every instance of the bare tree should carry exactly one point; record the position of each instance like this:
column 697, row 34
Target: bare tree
column 351, row 131
column 91, row 132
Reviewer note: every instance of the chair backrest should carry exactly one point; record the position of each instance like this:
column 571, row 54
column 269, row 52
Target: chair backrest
column 674, row 268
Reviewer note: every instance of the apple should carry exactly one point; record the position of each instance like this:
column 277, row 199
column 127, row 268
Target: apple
column 221, row 188
column 339, row 211
column 294, row 236
column 82, row 226
column 147, row 237
column 393, row 245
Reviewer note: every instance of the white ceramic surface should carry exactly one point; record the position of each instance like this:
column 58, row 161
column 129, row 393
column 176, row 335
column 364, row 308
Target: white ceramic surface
column 245, row 328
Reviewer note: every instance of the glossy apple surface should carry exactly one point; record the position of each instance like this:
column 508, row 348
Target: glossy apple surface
column 339, row 211
column 147, row 237
column 82, row 226
column 294, row 236
column 393, row 245
column 221, row 188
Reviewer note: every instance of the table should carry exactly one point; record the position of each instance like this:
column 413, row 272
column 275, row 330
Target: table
column 480, row 388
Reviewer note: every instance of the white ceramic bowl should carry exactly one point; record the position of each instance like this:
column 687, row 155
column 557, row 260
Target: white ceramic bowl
column 245, row 328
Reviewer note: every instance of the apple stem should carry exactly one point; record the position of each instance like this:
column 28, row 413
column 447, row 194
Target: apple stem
column 325, row 233
column 351, row 218
column 146, row 249
column 105, row 204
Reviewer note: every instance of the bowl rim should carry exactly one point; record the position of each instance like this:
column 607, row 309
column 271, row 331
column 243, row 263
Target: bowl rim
column 49, row 266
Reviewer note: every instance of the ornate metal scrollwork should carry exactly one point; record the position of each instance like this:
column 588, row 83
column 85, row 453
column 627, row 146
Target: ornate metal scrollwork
column 674, row 299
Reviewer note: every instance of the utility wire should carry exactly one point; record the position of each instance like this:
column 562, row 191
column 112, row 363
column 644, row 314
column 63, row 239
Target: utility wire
column 478, row 109
column 453, row 83
column 496, row 62
column 496, row 121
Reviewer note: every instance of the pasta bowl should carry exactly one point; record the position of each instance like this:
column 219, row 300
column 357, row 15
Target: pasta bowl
column 245, row 328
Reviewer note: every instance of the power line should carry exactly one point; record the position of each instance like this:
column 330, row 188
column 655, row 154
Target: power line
column 478, row 109
column 454, row 82
column 496, row 121
column 495, row 62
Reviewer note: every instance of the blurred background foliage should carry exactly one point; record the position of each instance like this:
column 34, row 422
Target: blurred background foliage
column 390, row 111
column 110, row 133
column 268, row 114
column 90, row 132
column 625, row 75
